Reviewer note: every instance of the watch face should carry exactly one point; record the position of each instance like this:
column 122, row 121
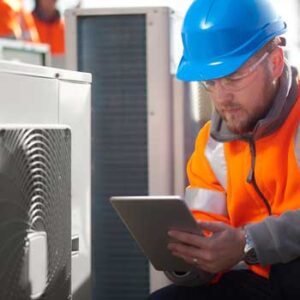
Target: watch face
column 250, row 257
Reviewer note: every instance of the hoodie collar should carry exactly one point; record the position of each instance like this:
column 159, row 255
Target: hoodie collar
column 284, row 100
column 40, row 15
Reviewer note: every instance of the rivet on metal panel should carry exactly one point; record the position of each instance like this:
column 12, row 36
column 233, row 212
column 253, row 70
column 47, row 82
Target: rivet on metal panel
column 57, row 75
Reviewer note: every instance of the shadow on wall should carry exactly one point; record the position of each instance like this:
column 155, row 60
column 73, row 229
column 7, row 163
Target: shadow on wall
column 83, row 292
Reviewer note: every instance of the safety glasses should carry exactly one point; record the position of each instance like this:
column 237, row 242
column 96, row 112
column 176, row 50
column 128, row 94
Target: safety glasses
column 235, row 82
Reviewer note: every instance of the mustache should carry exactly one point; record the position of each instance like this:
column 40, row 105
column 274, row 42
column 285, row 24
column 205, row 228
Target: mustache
column 229, row 106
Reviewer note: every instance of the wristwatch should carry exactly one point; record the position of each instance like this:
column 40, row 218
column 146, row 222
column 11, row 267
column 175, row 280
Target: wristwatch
column 250, row 256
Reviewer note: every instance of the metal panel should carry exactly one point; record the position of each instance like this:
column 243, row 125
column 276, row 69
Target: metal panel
column 42, row 72
column 116, row 58
column 74, row 110
column 128, row 52
column 38, row 95
column 192, row 109
column 26, row 99
column 35, row 213
column 160, row 113
column 27, row 52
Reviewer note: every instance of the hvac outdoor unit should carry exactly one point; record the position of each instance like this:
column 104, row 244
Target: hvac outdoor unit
column 128, row 52
column 26, row 52
column 35, row 212
column 144, row 123
column 44, row 183
column 192, row 109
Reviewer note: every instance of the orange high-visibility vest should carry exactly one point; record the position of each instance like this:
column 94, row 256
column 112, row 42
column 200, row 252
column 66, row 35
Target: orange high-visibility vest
column 29, row 30
column 219, row 176
column 15, row 22
column 9, row 25
column 52, row 33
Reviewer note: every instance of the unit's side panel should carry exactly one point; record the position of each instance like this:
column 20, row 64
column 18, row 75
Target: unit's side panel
column 192, row 109
column 160, row 114
column 160, row 147
column 113, row 49
column 71, row 39
column 179, row 98
column 74, row 110
column 26, row 99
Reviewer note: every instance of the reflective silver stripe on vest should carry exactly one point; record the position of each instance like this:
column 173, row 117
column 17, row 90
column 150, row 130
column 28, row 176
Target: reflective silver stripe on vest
column 297, row 145
column 214, row 152
column 206, row 200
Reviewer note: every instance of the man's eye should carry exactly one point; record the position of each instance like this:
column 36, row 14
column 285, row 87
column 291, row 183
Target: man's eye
column 233, row 79
column 229, row 79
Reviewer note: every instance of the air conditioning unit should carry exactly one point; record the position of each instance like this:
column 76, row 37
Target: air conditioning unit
column 35, row 212
column 128, row 52
column 192, row 108
column 141, row 116
column 44, row 183
column 25, row 52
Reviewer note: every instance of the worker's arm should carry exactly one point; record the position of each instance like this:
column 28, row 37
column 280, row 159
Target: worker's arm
column 276, row 239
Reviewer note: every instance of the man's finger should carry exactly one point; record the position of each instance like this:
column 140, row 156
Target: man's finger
column 213, row 226
column 186, row 252
column 187, row 238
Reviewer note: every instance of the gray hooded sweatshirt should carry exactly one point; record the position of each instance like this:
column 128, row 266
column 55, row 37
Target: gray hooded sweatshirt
column 276, row 239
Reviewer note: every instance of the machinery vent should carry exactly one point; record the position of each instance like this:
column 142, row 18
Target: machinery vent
column 113, row 49
column 35, row 213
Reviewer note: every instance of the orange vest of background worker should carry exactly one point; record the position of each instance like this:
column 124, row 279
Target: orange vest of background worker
column 50, row 26
column 15, row 22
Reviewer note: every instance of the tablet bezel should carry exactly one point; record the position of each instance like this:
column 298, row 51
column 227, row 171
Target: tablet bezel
column 149, row 218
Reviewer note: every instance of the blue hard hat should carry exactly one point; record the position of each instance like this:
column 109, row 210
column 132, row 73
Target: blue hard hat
column 219, row 36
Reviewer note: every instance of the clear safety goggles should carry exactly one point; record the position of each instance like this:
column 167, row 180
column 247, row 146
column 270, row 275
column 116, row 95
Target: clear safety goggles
column 235, row 82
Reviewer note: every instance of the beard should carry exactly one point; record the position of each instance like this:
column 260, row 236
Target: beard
column 238, row 120
column 242, row 119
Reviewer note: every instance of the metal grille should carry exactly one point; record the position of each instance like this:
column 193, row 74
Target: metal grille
column 35, row 196
column 113, row 49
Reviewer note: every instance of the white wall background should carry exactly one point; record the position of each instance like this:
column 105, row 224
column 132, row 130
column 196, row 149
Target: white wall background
column 290, row 10
column 180, row 5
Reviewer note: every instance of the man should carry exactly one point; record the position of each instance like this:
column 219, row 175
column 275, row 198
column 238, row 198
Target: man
column 244, row 173
column 50, row 25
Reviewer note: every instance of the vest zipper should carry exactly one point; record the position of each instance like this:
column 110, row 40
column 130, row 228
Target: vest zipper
column 251, row 176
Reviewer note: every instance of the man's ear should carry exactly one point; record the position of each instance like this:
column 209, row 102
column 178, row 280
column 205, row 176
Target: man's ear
column 277, row 62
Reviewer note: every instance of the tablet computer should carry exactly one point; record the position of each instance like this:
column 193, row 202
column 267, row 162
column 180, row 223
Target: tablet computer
column 149, row 218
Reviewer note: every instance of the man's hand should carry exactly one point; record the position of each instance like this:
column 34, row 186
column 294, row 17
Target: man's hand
column 219, row 252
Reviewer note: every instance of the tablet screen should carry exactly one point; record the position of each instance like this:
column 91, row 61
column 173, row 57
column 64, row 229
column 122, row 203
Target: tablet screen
column 149, row 218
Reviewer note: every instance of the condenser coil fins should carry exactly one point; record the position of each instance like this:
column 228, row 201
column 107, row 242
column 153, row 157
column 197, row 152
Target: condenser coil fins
column 35, row 213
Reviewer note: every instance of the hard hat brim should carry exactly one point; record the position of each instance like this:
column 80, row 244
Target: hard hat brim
column 198, row 71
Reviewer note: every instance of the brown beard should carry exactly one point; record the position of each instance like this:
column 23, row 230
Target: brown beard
column 247, row 123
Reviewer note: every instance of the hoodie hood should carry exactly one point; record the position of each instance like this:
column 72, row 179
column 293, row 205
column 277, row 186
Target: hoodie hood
column 284, row 100
column 41, row 15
